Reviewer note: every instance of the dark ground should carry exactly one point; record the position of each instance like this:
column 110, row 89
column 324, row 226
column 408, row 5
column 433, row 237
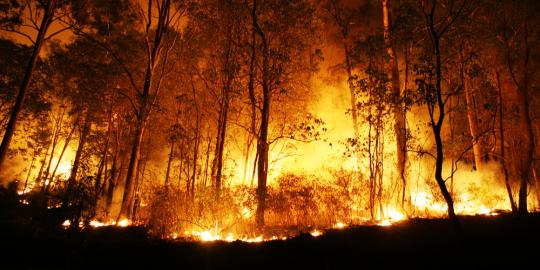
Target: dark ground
column 434, row 244
column 30, row 238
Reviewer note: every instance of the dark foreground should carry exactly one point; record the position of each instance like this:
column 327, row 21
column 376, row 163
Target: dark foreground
column 433, row 244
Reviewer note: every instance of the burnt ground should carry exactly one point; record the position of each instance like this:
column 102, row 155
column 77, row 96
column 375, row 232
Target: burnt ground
column 421, row 243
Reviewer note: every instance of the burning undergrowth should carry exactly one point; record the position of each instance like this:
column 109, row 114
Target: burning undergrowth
column 296, row 203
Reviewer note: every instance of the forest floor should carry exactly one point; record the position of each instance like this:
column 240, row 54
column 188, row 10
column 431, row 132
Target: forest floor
column 421, row 243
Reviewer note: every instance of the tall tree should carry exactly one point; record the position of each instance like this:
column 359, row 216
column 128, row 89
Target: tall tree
column 158, row 42
column 283, row 30
column 400, row 128
column 48, row 9
column 434, row 95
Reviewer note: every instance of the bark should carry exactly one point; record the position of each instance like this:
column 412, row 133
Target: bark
column 399, row 110
column 48, row 15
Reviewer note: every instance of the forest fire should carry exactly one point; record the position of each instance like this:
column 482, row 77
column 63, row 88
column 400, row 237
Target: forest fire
column 262, row 121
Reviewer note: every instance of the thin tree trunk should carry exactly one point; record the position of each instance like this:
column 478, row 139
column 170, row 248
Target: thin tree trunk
column 48, row 15
column 526, row 163
column 436, row 126
column 68, row 140
column 195, row 151
column 503, row 156
column 103, row 161
column 146, row 99
column 56, row 135
column 34, row 154
column 262, row 144
column 207, row 162
column 472, row 117
column 71, row 182
column 169, row 162
column 224, row 110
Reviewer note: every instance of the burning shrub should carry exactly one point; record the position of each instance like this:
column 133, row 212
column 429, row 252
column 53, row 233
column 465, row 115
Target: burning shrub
column 307, row 200
column 165, row 206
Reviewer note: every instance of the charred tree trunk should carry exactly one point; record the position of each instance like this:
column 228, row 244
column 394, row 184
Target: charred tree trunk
column 48, row 15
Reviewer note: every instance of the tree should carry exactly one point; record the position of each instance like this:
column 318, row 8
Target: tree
column 432, row 93
column 400, row 128
column 48, row 8
column 158, row 42
column 283, row 31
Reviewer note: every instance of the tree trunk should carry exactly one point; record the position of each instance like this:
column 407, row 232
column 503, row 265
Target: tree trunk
column 220, row 144
column 399, row 111
column 503, row 157
column 262, row 144
column 34, row 155
column 68, row 140
column 77, row 161
column 129, row 188
column 437, row 125
column 145, row 97
column 262, row 167
column 169, row 162
column 528, row 147
column 224, row 110
column 103, row 162
column 472, row 117
column 48, row 14
column 195, row 152
column 56, row 135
